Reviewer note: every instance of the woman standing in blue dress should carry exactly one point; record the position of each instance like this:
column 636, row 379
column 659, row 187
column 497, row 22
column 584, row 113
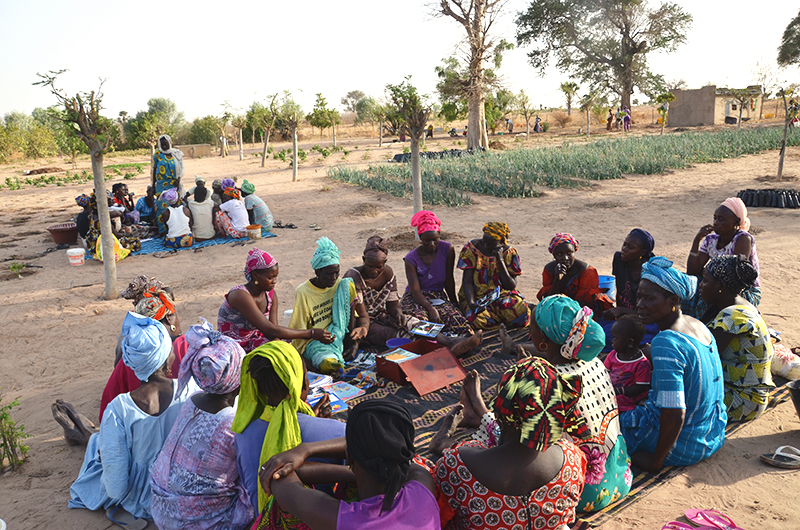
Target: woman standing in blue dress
column 167, row 174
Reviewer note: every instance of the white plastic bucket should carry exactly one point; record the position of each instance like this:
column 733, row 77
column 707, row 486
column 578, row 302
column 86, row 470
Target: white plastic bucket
column 2, row 525
column 76, row 256
column 253, row 231
column 287, row 317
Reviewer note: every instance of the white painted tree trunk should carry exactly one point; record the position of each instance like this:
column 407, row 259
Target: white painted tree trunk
column 416, row 174
column 334, row 134
column 294, row 154
column 380, row 135
column 241, row 146
column 786, row 122
column 107, row 236
column 266, row 147
column 588, row 123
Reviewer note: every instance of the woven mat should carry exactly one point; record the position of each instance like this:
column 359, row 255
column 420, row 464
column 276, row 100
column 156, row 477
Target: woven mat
column 157, row 244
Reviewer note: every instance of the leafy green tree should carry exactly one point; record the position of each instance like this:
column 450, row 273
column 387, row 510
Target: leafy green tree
column 82, row 113
column 351, row 101
column 204, row 131
column 603, row 43
column 789, row 50
column 526, row 109
column 587, row 102
column 663, row 101
column 792, row 110
column 411, row 110
column 477, row 17
column 239, row 121
column 365, row 111
column 264, row 119
column 290, row 115
column 498, row 107
column 570, row 89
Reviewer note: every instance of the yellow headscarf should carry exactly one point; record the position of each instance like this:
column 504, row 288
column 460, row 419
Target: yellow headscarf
column 498, row 231
column 283, row 432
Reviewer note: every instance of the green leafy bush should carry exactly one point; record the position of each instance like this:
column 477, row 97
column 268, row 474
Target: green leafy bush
column 12, row 435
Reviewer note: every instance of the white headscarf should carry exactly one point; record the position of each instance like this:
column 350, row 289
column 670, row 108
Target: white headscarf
column 177, row 154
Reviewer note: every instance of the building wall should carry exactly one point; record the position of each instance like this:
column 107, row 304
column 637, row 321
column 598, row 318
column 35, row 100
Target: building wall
column 727, row 106
column 692, row 108
column 195, row 151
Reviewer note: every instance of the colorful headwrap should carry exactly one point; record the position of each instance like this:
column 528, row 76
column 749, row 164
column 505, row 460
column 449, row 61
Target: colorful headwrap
column 83, row 200
column 283, row 432
column 146, row 345
column 562, row 237
column 155, row 303
column 138, row 286
column 542, row 404
column 232, row 192
column 498, row 231
column 660, row 271
column 93, row 201
column 648, row 243
column 214, row 360
column 248, row 187
column 565, row 322
column 736, row 205
column 376, row 244
column 258, row 260
column 327, row 253
column 426, row 221
column 735, row 272
column 228, row 183
column 170, row 195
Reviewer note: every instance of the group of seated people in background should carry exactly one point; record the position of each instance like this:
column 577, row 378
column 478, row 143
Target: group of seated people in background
column 181, row 218
column 211, row 429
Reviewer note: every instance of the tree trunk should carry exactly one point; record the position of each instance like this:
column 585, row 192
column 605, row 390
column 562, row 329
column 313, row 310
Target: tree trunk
column 253, row 136
column 476, row 120
column 416, row 175
column 334, row 134
column 380, row 135
column 264, row 152
column 569, row 107
column 152, row 157
column 785, row 134
column 294, row 154
column 739, row 123
column 588, row 123
column 107, row 235
column 527, row 127
column 241, row 147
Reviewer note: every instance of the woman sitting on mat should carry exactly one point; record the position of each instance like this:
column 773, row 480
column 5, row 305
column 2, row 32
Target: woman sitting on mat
column 431, row 291
column 572, row 277
column 683, row 419
column 742, row 336
column 727, row 236
column 491, row 264
column 202, row 208
column 376, row 285
column 273, row 416
column 178, row 218
column 195, row 481
column 257, row 209
column 395, row 492
column 230, row 217
column 134, row 427
column 326, row 302
column 249, row 313
column 519, row 471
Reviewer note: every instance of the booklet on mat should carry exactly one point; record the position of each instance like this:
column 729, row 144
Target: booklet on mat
column 337, row 405
column 484, row 301
column 399, row 355
column 427, row 329
column 315, row 380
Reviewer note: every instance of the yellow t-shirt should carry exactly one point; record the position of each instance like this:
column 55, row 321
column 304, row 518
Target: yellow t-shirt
column 313, row 308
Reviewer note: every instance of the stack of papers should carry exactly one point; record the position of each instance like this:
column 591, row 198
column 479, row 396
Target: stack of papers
column 399, row 355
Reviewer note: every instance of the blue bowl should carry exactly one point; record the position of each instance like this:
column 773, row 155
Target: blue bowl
column 397, row 342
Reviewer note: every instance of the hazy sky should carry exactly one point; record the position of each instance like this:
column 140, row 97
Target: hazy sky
column 201, row 54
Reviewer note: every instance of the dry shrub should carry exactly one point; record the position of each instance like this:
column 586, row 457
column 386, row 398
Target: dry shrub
column 364, row 210
column 494, row 144
column 561, row 118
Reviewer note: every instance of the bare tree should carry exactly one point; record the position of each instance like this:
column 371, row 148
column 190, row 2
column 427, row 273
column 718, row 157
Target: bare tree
column 791, row 107
column 82, row 115
column 526, row 110
column 767, row 78
column 239, row 121
column 477, row 17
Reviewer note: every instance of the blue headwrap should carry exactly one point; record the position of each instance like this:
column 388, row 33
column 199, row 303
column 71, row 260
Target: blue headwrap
column 648, row 243
column 146, row 345
column 660, row 271
column 566, row 323
column 327, row 253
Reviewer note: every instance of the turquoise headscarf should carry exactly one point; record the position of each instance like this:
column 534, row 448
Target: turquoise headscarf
column 146, row 345
column 327, row 253
column 660, row 271
column 565, row 322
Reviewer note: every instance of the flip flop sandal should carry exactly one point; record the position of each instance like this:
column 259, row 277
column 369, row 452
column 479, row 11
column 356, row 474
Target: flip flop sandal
column 198, row 250
column 278, row 224
column 317, row 227
column 677, row 525
column 239, row 243
column 786, row 457
column 711, row 517
column 120, row 517
column 291, row 225
column 167, row 254
column 313, row 225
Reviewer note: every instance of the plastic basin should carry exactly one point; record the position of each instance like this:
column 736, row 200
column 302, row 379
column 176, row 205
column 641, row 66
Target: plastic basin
column 608, row 284
column 64, row 233
column 397, row 342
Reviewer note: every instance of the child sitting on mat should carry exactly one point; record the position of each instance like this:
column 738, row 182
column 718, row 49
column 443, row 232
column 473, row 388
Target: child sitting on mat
column 628, row 367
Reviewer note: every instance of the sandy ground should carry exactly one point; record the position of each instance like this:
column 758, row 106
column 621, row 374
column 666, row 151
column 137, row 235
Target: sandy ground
column 57, row 334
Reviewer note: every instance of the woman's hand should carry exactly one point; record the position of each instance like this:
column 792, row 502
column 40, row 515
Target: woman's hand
column 399, row 318
column 704, row 231
column 561, row 270
column 322, row 335
column 281, row 465
column 613, row 313
column 359, row 333
column 433, row 315
column 323, row 407
column 499, row 253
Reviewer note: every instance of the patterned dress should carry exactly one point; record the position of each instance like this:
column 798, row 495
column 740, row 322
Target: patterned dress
column 473, row 506
column 232, row 323
column 381, row 326
column 195, row 480
column 166, row 178
column 746, row 362
column 133, row 244
column 510, row 308
column 608, row 468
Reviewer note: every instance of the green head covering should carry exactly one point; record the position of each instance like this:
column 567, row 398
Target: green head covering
column 565, row 322
column 327, row 253
column 248, row 187
column 283, row 432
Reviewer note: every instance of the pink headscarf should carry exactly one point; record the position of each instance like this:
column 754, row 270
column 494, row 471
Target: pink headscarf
column 426, row 221
column 213, row 360
column 562, row 237
column 738, row 208
column 257, row 260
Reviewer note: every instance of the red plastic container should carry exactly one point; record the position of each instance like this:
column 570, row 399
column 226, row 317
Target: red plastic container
column 64, row 233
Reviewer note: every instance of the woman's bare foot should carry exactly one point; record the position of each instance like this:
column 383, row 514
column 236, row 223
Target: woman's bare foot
column 82, row 423
column 507, row 345
column 444, row 437
column 468, row 344
column 72, row 435
column 472, row 387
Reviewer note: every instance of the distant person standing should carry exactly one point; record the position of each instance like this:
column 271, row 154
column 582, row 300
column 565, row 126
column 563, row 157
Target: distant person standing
column 429, row 134
column 610, row 120
column 537, row 125
column 167, row 174
column 626, row 119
